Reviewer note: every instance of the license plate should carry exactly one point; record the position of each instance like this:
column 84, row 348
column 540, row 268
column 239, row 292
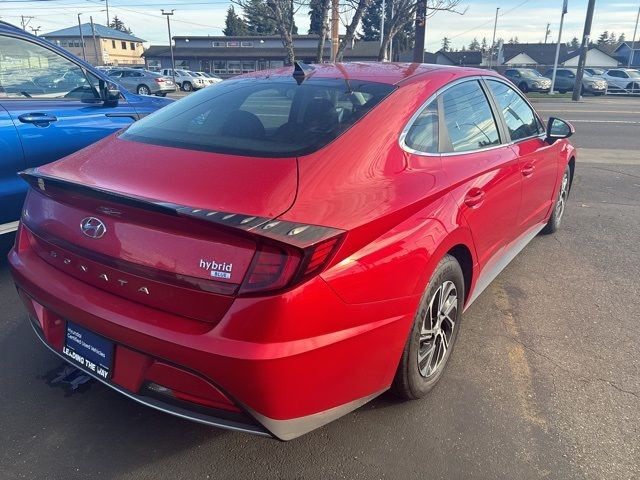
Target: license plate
column 88, row 350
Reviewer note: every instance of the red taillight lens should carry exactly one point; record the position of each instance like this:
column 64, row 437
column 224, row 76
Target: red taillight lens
column 275, row 267
column 159, row 80
column 272, row 268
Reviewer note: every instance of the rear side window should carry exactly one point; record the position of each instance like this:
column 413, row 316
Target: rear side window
column 468, row 118
column 261, row 117
column 518, row 115
column 423, row 134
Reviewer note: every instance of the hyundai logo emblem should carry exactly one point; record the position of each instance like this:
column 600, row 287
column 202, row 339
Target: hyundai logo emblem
column 93, row 227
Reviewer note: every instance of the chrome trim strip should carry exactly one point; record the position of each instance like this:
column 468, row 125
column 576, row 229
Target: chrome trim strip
column 290, row 429
column 500, row 261
column 163, row 407
column 407, row 127
column 9, row 227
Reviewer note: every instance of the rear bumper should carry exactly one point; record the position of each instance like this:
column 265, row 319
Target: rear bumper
column 285, row 377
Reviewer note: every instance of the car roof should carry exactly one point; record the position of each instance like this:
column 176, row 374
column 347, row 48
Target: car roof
column 390, row 73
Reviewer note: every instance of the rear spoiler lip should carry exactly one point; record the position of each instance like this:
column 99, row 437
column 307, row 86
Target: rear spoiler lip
column 291, row 233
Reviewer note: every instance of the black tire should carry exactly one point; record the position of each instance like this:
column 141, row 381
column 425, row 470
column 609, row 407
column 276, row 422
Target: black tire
column 161, row 94
column 562, row 90
column 143, row 90
column 559, row 206
column 410, row 381
column 523, row 87
column 187, row 87
column 633, row 87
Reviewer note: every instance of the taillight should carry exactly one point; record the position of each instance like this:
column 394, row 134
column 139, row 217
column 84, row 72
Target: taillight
column 159, row 80
column 279, row 267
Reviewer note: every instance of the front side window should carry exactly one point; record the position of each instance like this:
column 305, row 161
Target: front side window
column 266, row 118
column 28, row 70
column 468, row 118
column 520, row 118
column 423, row 133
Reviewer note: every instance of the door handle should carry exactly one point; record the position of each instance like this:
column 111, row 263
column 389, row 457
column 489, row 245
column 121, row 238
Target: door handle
column 474, row 197
column 528, row 170
column 37, row 118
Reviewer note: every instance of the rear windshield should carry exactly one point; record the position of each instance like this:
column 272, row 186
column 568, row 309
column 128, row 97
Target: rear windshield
column 261, row 117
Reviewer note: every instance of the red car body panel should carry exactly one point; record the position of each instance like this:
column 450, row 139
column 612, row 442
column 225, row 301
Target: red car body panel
column 291, row 360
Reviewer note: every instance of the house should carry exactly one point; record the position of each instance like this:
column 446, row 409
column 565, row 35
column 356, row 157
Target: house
column 464, row 59
column 531, row 54
column 595, row 58
column 467, row 58
column 228, row 56
column 111, row 47
column 624, row 51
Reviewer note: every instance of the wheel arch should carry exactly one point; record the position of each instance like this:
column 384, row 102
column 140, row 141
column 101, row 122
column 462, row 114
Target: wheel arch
column 463, row 256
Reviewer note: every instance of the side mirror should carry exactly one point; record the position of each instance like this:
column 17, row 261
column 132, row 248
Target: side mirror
column 557, row 129
column 109, row 93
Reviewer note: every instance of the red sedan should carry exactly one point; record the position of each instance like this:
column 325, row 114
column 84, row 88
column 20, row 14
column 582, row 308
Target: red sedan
column 270, row 253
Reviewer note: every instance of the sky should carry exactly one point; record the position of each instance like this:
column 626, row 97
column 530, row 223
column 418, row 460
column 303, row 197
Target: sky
column 526, row 19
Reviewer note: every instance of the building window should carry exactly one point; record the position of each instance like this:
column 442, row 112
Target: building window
column 63, row 44
column 233, row 44
column 182, row 64
column 154, row 65
column 246, row 44
column 217, row 44
column 124, row 45
column 132, row 45
column 248, row 66
column 113, row 44
column 219, row 66
column 233, row 66
column 277, row 63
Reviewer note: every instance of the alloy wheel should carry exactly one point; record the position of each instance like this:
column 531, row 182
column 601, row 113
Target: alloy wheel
column 438, row 322
column 143, row 90
column 562, row 197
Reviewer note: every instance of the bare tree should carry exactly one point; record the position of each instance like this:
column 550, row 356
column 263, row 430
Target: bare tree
column 325, row 6
column 404, row 12
column 281, row 12
column 359, row 8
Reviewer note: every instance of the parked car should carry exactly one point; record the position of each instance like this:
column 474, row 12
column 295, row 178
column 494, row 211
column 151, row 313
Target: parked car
column 566, row 78
column 51, row 104
column 596, row 72
column 210, row 80
column 268, row 255
column 528, row 79
column 626, row 79
column 186, row 80
column 143, row 82
column 211, row 75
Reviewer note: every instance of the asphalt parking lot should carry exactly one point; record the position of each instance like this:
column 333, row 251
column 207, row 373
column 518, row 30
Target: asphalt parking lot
column 544, row 382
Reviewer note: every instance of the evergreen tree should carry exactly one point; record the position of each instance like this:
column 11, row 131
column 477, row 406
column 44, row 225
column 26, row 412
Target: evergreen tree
column 621, row 39
column 484, row 46
column 258, row 19
column 315, row 17
column 603, row 39
column 402, row 41
column 234, row 24
column 474, row 46
column 446, row 44
column 119, row 25
column 575, row 43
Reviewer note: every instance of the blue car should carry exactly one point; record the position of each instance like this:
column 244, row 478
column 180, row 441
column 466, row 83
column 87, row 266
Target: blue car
column 52, row 104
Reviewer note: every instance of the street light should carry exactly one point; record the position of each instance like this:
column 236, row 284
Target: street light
column 493, row 42
column 173, row 63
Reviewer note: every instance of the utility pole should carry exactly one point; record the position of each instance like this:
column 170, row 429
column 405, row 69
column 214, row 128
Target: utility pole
column 173, row 63
column 633, row 42
column 25, row 21
column 555, row 62
column 547, row 32
column 584, row 48
column 577, row 86
column 35, row 30
column 391, row 42
column 335, row 25
column 421, row 27
column 107, row 7
column 84, row 54
column 95, row 42
column 493, row 42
